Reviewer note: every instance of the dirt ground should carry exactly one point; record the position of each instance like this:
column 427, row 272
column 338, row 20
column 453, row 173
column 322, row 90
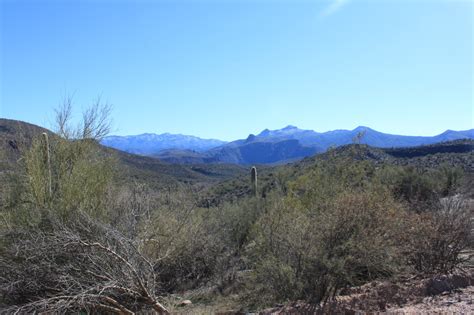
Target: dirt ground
column 442, row 294
column 453, row 294
column 460, row 301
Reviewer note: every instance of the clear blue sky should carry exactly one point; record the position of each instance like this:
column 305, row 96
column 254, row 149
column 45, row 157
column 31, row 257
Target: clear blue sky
column 226, row 68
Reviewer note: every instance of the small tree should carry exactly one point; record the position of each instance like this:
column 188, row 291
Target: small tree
column 67, row 257
column 357, row 139
column 67, row 171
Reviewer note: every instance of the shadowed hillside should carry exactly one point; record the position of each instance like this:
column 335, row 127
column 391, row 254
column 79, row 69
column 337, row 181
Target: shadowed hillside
column 16, row 137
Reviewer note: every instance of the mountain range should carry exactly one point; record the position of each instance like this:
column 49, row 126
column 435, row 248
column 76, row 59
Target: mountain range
column 268, row 147
column 16, row 138
column 151, row 144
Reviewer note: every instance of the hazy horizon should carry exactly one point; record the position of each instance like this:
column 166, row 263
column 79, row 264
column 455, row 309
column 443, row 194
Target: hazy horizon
column 227, row 69
column 50, row 125
column 256, row 133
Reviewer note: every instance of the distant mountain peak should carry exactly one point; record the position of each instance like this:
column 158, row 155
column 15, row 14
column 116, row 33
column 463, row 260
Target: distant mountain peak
column 363, row 128
column 283, row 131
column 250, row 138
column 448, row 131
column 269, row 146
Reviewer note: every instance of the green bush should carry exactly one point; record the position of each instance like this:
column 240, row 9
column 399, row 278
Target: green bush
column 435, row 240
column 334, row 230
column 80, row 177
column 415, row 187
column 421, row 189
column 450, row 179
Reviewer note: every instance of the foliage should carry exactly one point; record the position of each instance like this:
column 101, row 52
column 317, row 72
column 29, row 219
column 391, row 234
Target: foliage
column 58, row 252
column 80, row 178
column 331, row 236
column 95, row 244
column 435, row 240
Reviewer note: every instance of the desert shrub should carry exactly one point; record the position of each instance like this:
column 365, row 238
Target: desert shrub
column 435, row 240
column 317, row 188
column 281, row 242
column 131, row 207
column 416, row 187
column 234, row 221
column 421, row 189
column 202, row 245
column 73, row 243
column 64, row 173
column 58, row 252
column 437, row 228
column 173, row 231
column 278, row 279
column 450, row 179
column 15, row 210
column 80, row 176
column 190, row 254
column 335, row 229
column 85, row 266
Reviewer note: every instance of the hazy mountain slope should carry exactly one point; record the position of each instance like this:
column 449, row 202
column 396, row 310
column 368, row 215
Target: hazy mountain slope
column 150, row 144
column 243, row 152
column 177, row 156
column 291, row 143
column 369, row 136
column 263, row 152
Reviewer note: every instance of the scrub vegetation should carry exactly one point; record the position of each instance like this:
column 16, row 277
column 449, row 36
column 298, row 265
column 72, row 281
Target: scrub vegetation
column 77, row 235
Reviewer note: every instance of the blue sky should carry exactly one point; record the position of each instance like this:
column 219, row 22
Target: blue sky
column 224, row 69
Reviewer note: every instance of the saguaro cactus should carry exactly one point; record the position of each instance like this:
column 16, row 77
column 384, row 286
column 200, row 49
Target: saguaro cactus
column 47, row 156
column 253, row 177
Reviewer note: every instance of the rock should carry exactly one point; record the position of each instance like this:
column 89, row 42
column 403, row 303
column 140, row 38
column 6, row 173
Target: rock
column 185, row 303
column 437, row 286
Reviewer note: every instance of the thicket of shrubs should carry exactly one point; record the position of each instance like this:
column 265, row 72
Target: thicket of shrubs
column 82, row 243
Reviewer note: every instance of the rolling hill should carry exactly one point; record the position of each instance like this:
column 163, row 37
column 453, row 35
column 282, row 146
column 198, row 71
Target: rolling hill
column 17, row 136
column 457, row 154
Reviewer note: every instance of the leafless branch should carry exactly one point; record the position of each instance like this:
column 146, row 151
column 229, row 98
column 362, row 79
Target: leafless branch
column 96, row 120
column 95, row 124
column 70, row 270
column 63, row 118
